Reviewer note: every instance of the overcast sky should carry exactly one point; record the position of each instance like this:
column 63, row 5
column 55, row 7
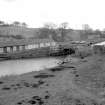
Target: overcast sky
column 37, row 12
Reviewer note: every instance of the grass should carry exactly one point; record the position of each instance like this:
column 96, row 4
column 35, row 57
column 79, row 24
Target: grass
column 91, row 75
column 63, row 85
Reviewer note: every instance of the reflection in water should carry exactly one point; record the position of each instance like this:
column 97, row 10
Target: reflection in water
column 26, row 65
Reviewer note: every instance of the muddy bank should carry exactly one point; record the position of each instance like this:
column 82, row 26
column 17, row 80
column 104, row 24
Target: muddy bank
column 55, row 86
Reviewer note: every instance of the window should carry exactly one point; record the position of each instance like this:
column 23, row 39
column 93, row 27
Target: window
column 32, row 46
column 8, row 49
column 1, row 50
column 47, row 44
column 29, row 47
column 53, row 43
column 14, row 48
column 21, row 47
column 36, row 46
column 42, row 45
column 26, row 47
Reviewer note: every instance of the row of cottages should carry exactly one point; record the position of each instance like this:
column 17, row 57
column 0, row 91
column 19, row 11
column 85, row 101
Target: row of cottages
column 23, row 44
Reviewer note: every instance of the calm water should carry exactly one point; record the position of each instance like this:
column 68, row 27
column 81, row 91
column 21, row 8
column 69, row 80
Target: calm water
column 26, row 65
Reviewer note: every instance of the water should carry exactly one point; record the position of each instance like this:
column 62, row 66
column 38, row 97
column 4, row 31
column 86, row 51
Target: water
column 13, row 67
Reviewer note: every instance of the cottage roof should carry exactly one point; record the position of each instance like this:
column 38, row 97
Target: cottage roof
column 23, row 42
column 100, row 44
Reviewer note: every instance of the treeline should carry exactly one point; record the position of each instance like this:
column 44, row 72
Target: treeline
column 54, row 31
column 51, row 30
column 15, row 23
column 59, row 32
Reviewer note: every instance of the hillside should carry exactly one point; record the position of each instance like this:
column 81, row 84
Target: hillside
column 17, row 30
column 69, row 34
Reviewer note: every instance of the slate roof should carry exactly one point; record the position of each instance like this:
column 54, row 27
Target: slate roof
column 23, row 42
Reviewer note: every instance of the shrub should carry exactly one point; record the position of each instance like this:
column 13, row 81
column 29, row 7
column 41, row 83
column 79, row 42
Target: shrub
column 83, row 52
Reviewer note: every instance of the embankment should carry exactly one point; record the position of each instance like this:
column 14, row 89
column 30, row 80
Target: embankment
column 55, row 86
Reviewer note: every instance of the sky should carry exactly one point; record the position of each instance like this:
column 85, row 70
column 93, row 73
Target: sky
column 38, row 12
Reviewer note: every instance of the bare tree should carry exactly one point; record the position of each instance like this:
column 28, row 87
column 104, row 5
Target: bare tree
column 87, row 30
column 64, row 25
column 16, row 23
column 62, row 30
column 86, row 27
column 2, row 22
column 24, row 24
column 48, row 31
column 50, row 25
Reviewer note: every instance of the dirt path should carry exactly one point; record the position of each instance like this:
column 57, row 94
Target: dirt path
column 67, row 82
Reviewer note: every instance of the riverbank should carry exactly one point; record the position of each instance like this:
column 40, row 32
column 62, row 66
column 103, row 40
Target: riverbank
column 62, row 85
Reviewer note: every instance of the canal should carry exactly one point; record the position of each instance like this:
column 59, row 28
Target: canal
column 20, row 66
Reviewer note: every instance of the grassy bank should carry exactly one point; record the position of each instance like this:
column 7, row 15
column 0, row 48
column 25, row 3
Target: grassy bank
column 63, row 85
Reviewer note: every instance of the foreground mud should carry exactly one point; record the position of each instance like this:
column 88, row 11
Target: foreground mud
column 73, row 83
